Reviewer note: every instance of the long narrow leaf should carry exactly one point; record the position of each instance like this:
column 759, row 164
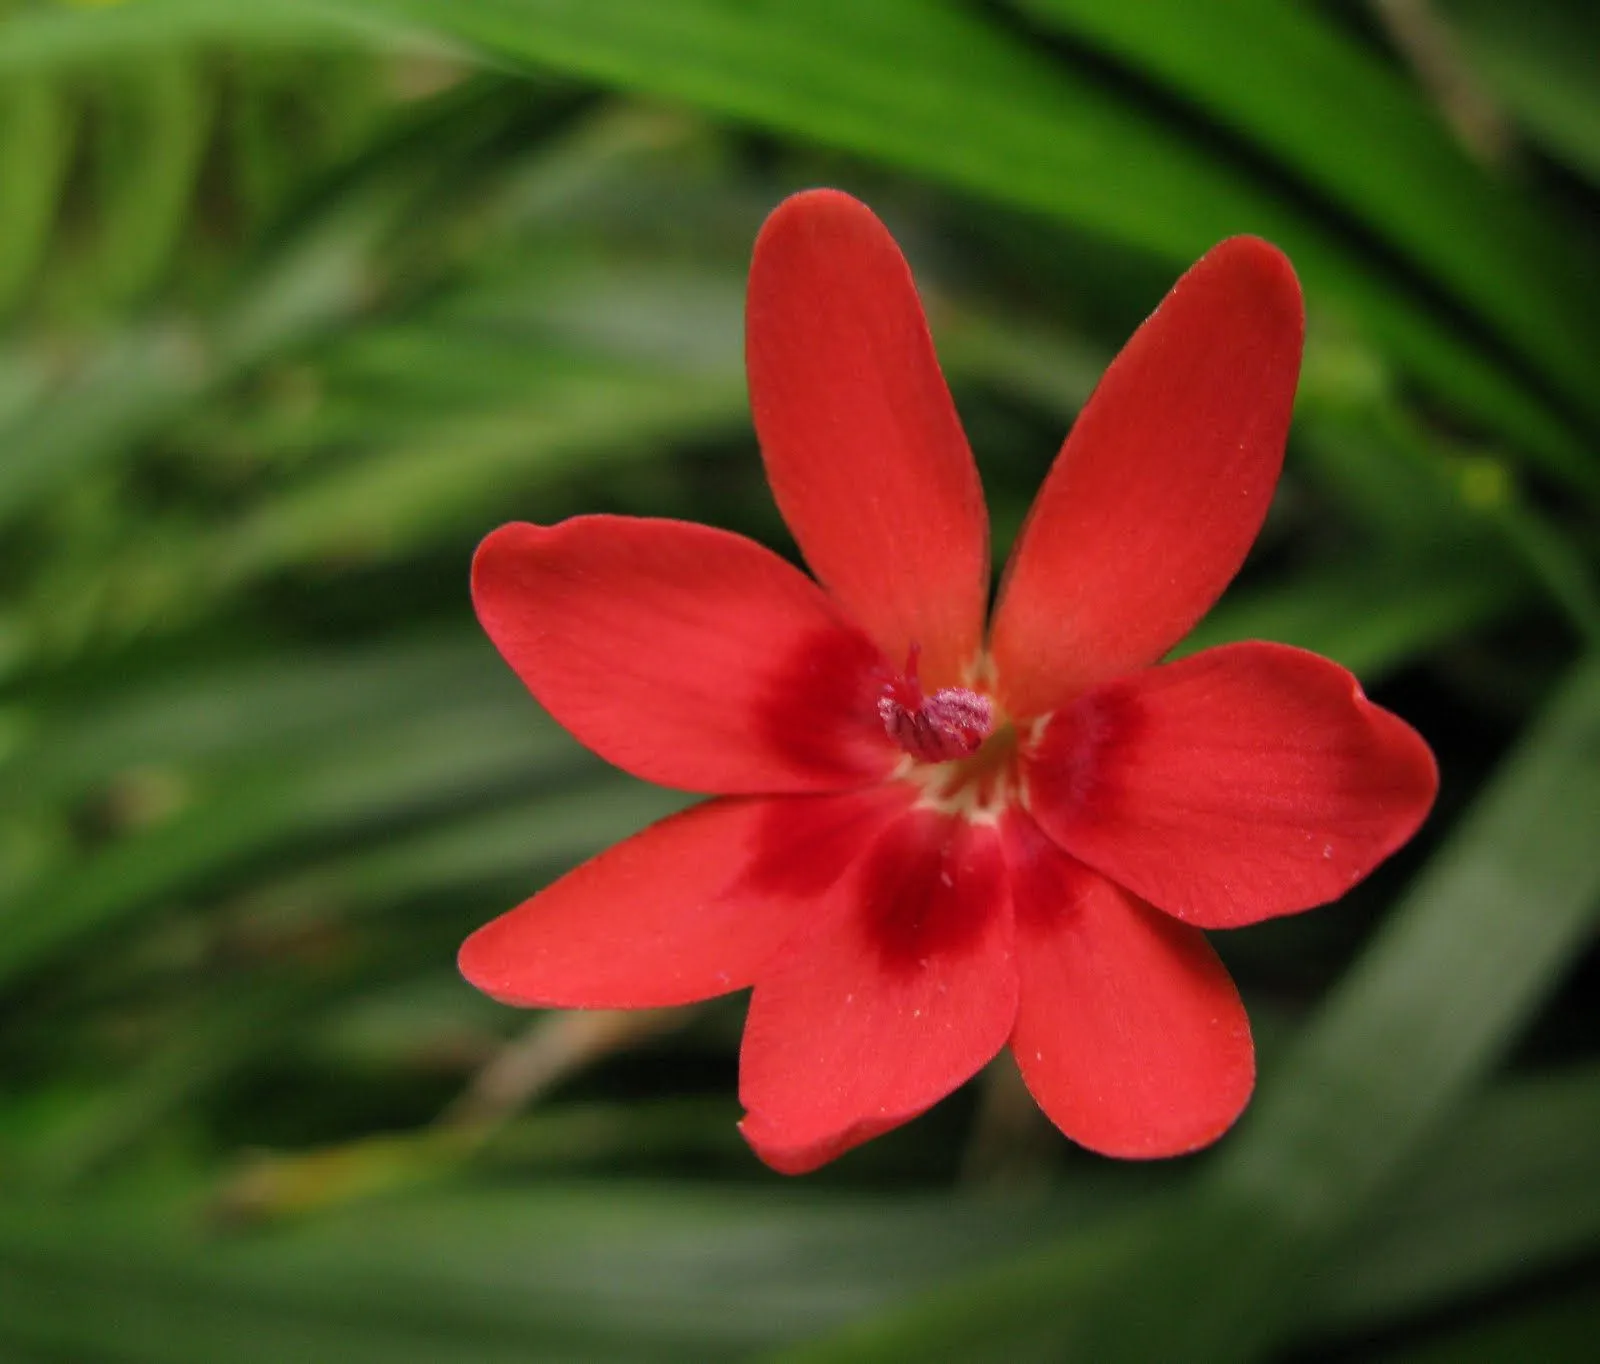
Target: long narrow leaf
column 929, row 87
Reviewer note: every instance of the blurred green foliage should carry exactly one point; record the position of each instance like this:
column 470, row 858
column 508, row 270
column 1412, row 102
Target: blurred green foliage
column 299, row 300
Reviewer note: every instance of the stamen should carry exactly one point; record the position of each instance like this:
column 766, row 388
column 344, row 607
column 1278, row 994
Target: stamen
column 950, row 724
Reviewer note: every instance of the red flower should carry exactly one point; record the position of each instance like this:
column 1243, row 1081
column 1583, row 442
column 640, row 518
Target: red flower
column 930, row 842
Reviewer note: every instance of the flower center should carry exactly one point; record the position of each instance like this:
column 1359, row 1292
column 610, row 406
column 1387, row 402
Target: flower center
column 963, row 750
column 950, row 724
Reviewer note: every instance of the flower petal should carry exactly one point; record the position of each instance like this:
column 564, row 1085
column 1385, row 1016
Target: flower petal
column 1130, row 1034
column 1242, row 783
column 690, row 908
column 685, row 655
column 1161, row 486
column 894, row 998
column 862, row 444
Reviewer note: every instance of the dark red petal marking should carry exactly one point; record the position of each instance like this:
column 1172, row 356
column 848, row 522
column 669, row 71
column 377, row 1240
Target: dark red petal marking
column 1161, row 486
column 692, row 907
column 862, row 444
column 686, row 655
column 899, row 992
column 1242, row 783
column 1129, row 1032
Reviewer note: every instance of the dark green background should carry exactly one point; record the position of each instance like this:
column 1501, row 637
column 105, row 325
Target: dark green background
column 300, row 299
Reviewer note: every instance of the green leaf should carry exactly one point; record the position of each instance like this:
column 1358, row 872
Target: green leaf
column 383, row 770
column 930, row 88
column 1272, row 72
column 515, row 841
column 1537, row 57
column 1558, row 1330
column 633, row 1271
column 1375, row 617
column 58, row 35
column 36, row 125
column 216, row 715
column 437, row 480
column 152, row 128
column 1512, row 1187
column 613, row 1272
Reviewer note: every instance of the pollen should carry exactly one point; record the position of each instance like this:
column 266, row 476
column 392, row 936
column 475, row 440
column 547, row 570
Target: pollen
column 952, row 723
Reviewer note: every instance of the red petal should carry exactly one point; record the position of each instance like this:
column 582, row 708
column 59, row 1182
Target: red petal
column 690, row 908
column 1161, row 486
column 862, row 444
column 685, row 655
column 1129, row 1032
column 891, row 1001
column 1242, row 783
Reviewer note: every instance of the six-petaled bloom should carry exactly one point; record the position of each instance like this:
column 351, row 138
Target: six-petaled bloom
column 930, row 840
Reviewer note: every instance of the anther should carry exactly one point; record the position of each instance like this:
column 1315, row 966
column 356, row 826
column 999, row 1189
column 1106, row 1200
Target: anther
column 950, row 724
